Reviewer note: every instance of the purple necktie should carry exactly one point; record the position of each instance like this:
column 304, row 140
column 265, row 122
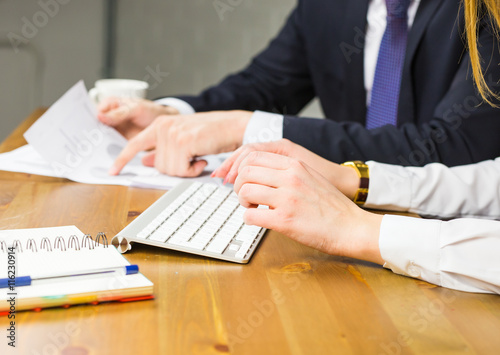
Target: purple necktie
column 383, row 107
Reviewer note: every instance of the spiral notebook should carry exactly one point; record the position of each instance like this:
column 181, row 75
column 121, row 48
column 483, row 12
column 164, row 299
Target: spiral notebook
column 43, row 252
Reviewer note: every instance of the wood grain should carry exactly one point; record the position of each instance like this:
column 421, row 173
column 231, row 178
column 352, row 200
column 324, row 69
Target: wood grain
column 289, row 299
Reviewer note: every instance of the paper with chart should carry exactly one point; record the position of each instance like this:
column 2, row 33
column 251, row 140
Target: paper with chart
column 69, row 141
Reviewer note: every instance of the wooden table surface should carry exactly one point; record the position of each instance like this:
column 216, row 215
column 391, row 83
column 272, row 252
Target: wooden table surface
column 289, row 299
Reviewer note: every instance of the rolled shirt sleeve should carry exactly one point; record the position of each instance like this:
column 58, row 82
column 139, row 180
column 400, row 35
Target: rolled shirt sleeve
column 461, row 254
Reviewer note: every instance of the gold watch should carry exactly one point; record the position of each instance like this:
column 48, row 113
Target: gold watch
column 364, row 180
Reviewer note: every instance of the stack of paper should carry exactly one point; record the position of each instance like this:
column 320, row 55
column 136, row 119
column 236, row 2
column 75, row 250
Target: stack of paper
column 68, row 141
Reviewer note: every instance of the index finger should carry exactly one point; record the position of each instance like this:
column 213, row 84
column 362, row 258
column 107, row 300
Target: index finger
column 266, row 160
column 230, row 167
column 143, row 141
column 222, row 170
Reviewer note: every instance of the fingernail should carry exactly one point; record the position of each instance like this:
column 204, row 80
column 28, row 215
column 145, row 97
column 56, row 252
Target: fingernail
column 104, row 119
column 213, row 173
column 225, row 180
column 113, row 171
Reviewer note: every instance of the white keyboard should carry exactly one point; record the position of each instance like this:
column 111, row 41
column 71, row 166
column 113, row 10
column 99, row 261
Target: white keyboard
column 197, row 218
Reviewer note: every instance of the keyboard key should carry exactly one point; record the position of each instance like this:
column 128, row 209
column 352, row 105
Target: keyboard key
column 219, row 244
column 201, row 239
column 247, row 233
column 244, row 249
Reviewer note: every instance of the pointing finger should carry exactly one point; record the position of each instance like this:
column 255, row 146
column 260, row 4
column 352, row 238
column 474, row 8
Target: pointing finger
column 143, row 141
column 225, row 167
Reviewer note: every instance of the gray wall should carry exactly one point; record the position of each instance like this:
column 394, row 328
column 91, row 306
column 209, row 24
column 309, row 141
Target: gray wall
column 188, row 39
column 64, row 45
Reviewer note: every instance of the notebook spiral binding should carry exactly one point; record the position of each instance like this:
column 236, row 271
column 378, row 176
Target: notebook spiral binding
column 59, row 244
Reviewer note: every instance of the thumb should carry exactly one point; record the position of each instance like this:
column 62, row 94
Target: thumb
column 149, row 159
column 117, row 115
column 196, row 168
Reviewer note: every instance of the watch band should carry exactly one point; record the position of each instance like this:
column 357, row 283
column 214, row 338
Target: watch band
column 364, row 180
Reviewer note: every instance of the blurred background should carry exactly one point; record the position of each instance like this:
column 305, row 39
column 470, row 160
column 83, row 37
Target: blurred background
column 177, row 46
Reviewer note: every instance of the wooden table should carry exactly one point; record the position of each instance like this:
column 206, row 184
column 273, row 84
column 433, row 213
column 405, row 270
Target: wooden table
column 289, row 299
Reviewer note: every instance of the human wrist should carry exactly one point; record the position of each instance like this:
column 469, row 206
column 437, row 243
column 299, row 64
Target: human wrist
column 349, row 181
column 167, row 110
column 364, row 239
column 240, row 124
column 181, row 107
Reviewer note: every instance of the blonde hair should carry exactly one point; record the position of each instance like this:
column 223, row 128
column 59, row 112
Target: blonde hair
column 474, row 11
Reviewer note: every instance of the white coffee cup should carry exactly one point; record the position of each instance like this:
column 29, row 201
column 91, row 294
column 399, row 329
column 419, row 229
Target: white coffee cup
column 119, row 88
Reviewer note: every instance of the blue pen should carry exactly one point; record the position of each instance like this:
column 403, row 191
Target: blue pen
column 27, row 280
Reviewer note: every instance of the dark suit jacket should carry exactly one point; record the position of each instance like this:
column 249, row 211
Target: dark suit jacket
column 319, row 52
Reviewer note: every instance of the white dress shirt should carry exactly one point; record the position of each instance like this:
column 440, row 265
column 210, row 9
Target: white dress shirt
column 462, row 254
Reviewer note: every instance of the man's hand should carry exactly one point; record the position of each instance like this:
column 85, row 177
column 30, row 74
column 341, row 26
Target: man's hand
column 179, row 140
column 304, row 206
column 129, row 116
column 342, row 177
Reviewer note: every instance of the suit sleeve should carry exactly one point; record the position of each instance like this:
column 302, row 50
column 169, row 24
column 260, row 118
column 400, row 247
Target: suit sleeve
column 462, row 130
column 277, row 80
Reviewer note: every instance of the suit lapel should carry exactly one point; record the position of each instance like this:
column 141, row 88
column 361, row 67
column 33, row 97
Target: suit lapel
column 425, row 12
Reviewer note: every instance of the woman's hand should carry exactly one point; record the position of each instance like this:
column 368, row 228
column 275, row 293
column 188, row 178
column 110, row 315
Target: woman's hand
column 305, row 206
column 129, row 116
column 343, row 177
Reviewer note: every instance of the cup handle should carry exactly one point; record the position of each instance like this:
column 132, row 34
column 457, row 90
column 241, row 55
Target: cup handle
column 94, row 95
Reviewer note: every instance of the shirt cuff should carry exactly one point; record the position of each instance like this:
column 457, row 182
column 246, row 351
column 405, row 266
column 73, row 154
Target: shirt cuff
column 264, row 127
column 411, row 247
column 182, row 106
column 390, row 187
